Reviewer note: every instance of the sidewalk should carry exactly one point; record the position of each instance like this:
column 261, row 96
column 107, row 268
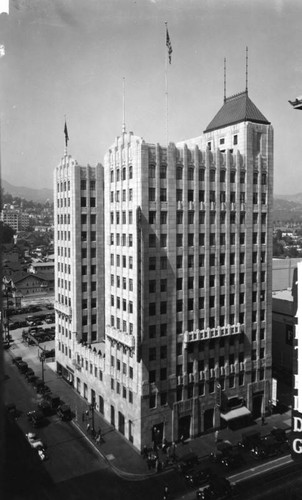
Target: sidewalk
column 114, row 448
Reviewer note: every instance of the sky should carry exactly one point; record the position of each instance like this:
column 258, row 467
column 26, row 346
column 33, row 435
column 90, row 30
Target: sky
column 69, row 58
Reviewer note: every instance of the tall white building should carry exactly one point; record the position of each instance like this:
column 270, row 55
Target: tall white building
column 187, row 260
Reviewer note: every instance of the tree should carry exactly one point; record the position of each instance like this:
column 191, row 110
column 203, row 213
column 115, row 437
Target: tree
column 6, row 233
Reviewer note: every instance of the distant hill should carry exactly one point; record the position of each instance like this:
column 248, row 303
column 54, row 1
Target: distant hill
column 288, row 208
column 29, row 194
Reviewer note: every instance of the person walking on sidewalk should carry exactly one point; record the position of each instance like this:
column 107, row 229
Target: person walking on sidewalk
column 166, row 493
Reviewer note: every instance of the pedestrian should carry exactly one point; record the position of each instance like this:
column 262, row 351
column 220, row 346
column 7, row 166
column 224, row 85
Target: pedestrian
column 216, row 436
column 182, row 439
column 166, row 493
column 145, row 451
column 262, row 420
column 149, row 461
column 88, row 427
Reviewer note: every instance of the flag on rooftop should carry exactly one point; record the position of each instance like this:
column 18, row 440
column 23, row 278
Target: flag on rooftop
column 2, row 50
column 66, row 134
column 168, row 44
column 4, row 6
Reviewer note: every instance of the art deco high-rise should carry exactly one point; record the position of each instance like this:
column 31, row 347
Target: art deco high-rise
column 187, row 260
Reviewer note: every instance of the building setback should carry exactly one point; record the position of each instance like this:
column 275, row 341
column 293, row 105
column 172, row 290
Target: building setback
column 187, row 273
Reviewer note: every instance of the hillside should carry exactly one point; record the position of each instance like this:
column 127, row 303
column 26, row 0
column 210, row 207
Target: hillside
column 37, row 195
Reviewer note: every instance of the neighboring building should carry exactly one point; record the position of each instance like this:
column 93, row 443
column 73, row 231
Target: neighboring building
column 16, row 219
column 188, row 281
column 79, row 261
column 41, row 267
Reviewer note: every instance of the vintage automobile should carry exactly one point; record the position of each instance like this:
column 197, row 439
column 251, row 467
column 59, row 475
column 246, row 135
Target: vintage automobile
column 64, row 412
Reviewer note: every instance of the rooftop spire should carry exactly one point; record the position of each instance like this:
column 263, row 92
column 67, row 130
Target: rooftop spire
column 246, row 68
column 124, row 123
column 224, row 81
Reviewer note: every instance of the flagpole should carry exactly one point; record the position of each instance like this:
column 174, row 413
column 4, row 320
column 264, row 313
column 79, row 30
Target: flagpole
column 166, row 90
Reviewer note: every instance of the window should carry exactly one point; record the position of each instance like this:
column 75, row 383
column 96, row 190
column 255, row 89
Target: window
column 190, row 217
column 163, row 172
column 151, row 171
column 130, row 172
column 152, row 286
column 201, row 174
column 163, row 194
column 179, row 261
column 163, row 307
column 179, row 173
column 179, row 217
column 190, row 174
column 163, row 262
column 190, row 239
column 178, row 194
column 152, row 309
column 163, row 329
column 235, row 139
column 190, row 195
column 163, row 285
column 152, row 376
column 152, row 263
column 152, row 240
column 151, row 194
column 163, row 240
column 179, row 240
column 152, row 354
column 152, row 331
column 163, row 217
column 212, row 175
column 255, row 198
column 255, row 178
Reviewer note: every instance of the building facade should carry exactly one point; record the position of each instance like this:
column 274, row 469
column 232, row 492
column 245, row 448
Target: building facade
column 187, row 260
column 79, row 261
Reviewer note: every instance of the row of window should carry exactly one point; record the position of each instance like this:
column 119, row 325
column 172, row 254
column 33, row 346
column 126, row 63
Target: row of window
column 121, row 174
column 201, row 196
column 85, row 202
column 63, row 235
column 63, row 219
column 84, row 218
column 64, row 268
column 84, row 235
column 62, row 299
column 64, row 252
column 87, row 185
column 121, row 282
column 64, row 284
column 123, row 304
column 63, row 186
column 201, row 174
column 121, row 325
column 63, row 202
column 117, row 197
column 115, row 385
column 121, row 260
column 121, row 219
column 121, row 239
column 117, row 362
column 235, row 217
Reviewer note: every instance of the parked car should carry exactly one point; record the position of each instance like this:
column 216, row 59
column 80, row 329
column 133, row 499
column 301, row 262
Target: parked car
column 64, row 412
column 16, row 360
column 187, row 462
column 31, row 379
column 233, row 460
column 30, row 372
column 279, row 434
column 267, row 448
column 250, row 439
column 49, row 354
column 198, row 475
column 23, row 367
column 53, row 399
column 36, row 417
column 44, row 390
column 33, row 440
column 46, row 408
column 14, row 325
column 38, row 384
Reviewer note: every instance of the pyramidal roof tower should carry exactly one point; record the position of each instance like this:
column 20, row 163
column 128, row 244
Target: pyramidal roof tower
column 237, row 108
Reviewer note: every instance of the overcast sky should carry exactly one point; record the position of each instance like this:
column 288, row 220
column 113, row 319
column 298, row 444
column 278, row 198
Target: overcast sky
column 69, row 57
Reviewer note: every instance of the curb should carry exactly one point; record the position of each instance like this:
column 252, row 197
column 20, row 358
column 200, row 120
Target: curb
column 130, row 476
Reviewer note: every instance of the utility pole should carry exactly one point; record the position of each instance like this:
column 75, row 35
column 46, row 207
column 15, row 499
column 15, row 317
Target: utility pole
column 92, row 408
column 42, row 359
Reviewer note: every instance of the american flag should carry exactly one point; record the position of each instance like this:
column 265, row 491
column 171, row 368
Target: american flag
column 169, row 45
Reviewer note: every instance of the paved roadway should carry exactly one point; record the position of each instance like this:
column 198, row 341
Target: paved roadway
column 75, row 471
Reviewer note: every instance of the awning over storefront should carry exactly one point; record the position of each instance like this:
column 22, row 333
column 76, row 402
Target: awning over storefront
column 238, row 412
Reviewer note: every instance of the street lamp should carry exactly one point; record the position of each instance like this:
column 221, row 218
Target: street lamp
column 7, row 289
column 42, row 359
column 92, row 409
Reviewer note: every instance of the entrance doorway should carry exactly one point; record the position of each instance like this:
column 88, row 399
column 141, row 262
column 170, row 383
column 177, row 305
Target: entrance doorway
column 157, row 433
column 121, row 423
column 257, row 404
column 208, row 419
column 184, row 424
column 112, row 416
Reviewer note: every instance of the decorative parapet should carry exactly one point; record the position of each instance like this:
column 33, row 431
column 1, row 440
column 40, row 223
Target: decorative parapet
column 119, row 337
column 61, row 308
column 209, row 333
column 88, row 353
